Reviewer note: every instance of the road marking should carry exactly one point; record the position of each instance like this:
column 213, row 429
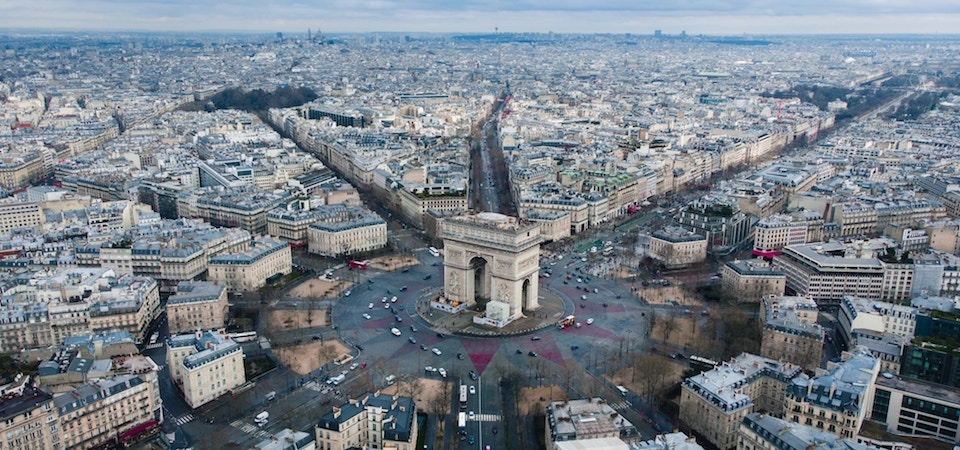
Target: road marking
column 185, row 419
column 620, row 405
column 488, row 418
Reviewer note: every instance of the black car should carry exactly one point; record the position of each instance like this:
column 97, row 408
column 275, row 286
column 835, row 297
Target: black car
column 359, row 346
column 423, row 347
column 403, row 288
column 440, row 335
column 533, row 354
column 428, row 277
column 473, row 375
column 519, row 352
column 459, row 355
column 494, row 430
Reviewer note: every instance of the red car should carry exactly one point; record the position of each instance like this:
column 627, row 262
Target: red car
column 363, row 365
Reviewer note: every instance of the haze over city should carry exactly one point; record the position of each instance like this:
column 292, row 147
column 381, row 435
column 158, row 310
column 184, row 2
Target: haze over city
column 473, row 16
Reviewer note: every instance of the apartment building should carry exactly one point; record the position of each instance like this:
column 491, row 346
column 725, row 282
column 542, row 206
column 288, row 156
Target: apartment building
column 715, row 402
column 721, row 221
column 205, row 365
column 197, row 305
column 372, row 420
column 414, row 204
column 773, row 233
column 17, row 214
column 108, row 412
column 760, row 431
column 751, row 280
column 588, row 419
column 347, row 235
column 265, row 260
column 917, row 408
column 858, row 315
column 288, row 439
column 554, row 225
column 837, row 401
column 19, row 169
column 675, row 247
column 790, row 331
column 28, row 417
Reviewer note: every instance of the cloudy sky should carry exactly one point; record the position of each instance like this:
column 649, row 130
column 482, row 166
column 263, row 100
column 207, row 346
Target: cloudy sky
column 579, row 16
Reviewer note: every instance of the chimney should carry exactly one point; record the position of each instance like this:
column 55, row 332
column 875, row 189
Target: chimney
column 336, row 412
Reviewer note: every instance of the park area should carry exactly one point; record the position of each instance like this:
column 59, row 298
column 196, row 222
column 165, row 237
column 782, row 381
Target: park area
column 310, row 356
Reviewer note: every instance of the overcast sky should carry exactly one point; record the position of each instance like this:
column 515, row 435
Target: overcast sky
column 561, row 16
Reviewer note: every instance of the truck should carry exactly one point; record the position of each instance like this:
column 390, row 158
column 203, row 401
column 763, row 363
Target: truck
column 336, row 380
column 261, row 419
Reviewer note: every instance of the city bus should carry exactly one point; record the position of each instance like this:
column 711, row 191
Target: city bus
column 354, row 264
column 462, row 422
column 463, row 396
column 566, row 322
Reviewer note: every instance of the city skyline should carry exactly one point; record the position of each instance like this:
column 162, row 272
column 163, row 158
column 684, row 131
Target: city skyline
column 472, row 16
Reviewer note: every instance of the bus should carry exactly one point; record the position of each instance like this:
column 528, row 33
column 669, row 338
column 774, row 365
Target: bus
column 462, row 422
column 433, row 251
column 354, row 264
column 566, row 322
column 702, row 364
column 463, row 396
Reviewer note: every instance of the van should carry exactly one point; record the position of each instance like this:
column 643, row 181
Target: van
column 389, row 379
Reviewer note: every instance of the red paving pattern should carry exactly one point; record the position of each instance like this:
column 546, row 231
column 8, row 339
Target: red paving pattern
column 546, row 348
column 480, row 351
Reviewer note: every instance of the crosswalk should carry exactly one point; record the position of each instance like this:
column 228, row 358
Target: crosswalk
column 249, row 428
column 487, row 418
column 620, row 405
column 153, row 346
column 185, row 419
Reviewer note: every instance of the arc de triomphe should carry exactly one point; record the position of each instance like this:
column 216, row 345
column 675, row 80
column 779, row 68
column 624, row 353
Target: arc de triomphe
column 490, row 256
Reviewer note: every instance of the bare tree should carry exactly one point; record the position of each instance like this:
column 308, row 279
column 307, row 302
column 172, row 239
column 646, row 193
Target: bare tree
column 440, row 402
column 668, row 324
column 327, row 353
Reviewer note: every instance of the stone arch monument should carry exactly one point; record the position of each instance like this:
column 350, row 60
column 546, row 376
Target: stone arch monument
column 492, row 257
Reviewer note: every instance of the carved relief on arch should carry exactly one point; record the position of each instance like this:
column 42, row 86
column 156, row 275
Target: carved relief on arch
column 503, row 291
column 529, row 262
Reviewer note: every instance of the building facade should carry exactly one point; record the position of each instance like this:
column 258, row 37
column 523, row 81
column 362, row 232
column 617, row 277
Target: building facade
column 205, row 365
column 251, row 269
column 372, row 420
column 197, row 305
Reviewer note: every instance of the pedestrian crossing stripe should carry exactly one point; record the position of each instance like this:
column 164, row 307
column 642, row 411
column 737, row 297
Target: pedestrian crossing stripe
column 185, row 419
column 620, row 405
column 487, row 418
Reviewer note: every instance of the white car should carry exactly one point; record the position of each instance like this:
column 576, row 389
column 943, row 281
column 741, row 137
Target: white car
column 395, row 331
column 366, row 316
column 436, row 351
column 473, row 390
column 393, row 299
column 386, row 306
column 347, row 293
column 383, row 300
column 471, row 415
column 443, row 372
column 370, row 306
column 354, row 366
column 590, row 321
